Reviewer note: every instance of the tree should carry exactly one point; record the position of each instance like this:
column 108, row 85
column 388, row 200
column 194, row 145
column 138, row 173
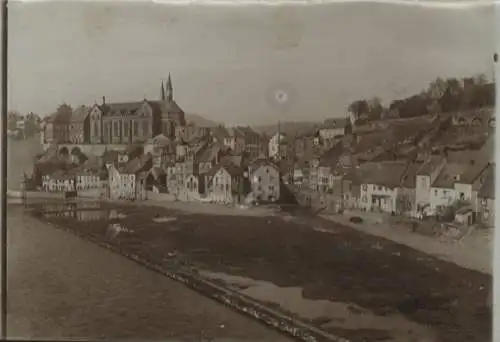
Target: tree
column 375, row 108
column 358, row 108
column 437, row 88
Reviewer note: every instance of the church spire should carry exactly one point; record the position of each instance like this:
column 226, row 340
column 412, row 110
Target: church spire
column 170, row 89
column 162, row 92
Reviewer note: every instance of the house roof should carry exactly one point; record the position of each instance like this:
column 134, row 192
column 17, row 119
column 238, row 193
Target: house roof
column 389, row 174
column 80, row 114
column 487, row 190
column 335, row 123
column 472, row 173
column 117, row 108
column 430, row 165
column 409, row 179
column 448, row 175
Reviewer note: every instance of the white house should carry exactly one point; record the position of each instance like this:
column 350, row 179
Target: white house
column 128, row 181
column 425, row 176
column 379, row 185
column 469, row 183
column 442, row 192
column 275, row 144
column 486, row 198
column 223, row 183
column 333, row 128
column 265, row 181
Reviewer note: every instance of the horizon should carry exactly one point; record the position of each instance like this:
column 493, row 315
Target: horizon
column 283, row 49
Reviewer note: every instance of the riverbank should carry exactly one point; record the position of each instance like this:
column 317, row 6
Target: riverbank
column 346, row 283
column 474, row 252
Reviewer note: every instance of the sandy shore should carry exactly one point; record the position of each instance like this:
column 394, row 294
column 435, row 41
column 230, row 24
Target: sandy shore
column 473, row 252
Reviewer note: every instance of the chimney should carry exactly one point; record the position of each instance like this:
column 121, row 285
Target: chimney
column 103, row 100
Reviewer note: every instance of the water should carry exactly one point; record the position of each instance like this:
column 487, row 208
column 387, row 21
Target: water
column 331, row 314
column 63, row 287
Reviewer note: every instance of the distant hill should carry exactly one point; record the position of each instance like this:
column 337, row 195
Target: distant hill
column 200, row 120
column 288, row 127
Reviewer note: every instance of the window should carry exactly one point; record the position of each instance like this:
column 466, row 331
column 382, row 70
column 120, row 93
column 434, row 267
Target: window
column 135, row 131
column 126, row 129
column 435, row 192
column 116, row 128
column 364, row 187
column 380, row 188
column 96, row 128
column 145, row 128
column 271, row 187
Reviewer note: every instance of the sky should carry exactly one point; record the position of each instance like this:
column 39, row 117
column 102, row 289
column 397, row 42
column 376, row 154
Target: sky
column 227, row 62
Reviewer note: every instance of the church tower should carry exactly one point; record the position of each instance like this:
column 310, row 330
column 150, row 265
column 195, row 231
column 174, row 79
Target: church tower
column 162, row 92
column 169, row 90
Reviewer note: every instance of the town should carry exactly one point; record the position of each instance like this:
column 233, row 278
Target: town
column 430, row 160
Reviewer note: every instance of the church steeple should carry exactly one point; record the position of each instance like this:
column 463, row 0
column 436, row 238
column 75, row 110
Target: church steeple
column 169, row 90
column 162, row 92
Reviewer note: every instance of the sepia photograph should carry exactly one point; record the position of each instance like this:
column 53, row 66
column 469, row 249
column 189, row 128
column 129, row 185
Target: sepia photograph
column 196, row 172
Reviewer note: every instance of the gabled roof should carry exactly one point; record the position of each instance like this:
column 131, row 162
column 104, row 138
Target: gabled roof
column 448, row 175
column 388, row 174
column 487, row 190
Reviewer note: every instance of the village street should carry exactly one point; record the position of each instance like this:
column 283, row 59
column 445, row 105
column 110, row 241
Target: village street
column 60, row 286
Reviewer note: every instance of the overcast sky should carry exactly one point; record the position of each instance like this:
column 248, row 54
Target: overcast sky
column 225, row 61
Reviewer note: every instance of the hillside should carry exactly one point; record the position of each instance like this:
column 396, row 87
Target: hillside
column 200, row 120
column 288, row 127
column 20, row 156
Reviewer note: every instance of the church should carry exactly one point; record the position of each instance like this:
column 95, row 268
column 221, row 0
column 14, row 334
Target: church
column 136, row 122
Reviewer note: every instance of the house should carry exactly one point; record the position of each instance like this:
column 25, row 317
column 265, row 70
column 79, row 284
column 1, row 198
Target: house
column 442, row 191
column 47, row 135
column 79, row 126
column 162, row 149
column 379, row 185
column 127, row 180
column 191, row 132
column 87, row 178
column 252, row 142
column 326, row 164
column 59, row 181
column 156, row 180
column 224, row 183
column 265, row 181
column 305, row 144
column 279, row 146
column 333, row 128
column 425, row 177
column 406, row 196
column 468, row 184
column 235, row 139
column 486, row 198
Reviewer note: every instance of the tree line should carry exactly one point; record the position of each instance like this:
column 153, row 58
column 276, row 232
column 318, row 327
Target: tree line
column 441, row 96
column 23, row 125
